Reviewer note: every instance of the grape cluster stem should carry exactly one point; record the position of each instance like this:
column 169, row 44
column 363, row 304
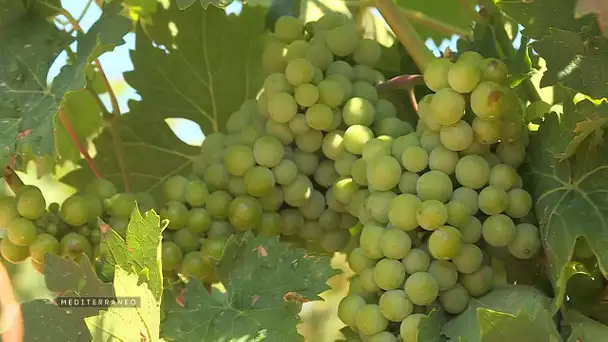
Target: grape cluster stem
column 12, row 178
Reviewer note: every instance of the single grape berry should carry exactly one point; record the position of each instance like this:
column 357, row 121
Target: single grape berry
column 21, row 232
column 74, row 245
column 30, row 202
column 171, row 255
column 45, row 243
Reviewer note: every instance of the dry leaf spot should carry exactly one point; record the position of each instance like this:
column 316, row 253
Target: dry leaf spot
column 254, row 300
column 104, row 227
column 293, row 296
column 180, row 299
column 262, row 251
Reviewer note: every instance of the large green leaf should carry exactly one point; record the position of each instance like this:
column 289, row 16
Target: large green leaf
column 570, row 195
column 44, row 321
column 210, row 64
column 575, row 61
column 507, row 313
column 540, row 16
column 262, row 277
column 585, row 329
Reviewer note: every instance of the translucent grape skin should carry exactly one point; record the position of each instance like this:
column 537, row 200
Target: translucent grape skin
column 348, row 308
column 421, row 288
column 370, row 320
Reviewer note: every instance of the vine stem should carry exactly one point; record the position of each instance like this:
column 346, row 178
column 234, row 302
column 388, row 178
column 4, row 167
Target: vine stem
column 65, row 121
column 432, row 23
column 409, row 38
column 401, row 82
column 12, row 178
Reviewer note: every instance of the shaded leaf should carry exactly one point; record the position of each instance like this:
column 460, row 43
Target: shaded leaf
column 44, row 321
column 429, row 328
column 570, row 196
column 540, row 16
column 266, row 283
column 585, row 329
column 575, row 61
column 204, row 75
column 312, row 10
column 505, row 327
column 128, row 324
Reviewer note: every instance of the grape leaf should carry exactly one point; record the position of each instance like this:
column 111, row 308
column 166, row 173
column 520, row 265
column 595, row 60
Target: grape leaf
column 265, row 282
column 204, row 74
column 128, row 324
column 589, row 121
column 570, row 196
column 82, row 111
column 585, row 329
column 183, row 4
column 540, row 16
column 575, row 61
column 429, row 328
column 598, row 7
column 505, row 306
column 140, row 252
column 44, row 321
column 149, row 151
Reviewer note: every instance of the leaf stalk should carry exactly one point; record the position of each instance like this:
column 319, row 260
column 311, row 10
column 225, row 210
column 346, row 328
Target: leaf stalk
column 65, row 121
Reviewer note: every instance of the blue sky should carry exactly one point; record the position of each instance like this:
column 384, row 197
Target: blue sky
column 118, row 61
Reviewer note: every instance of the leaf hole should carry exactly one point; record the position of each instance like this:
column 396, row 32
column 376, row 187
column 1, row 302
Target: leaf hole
column 186, row 130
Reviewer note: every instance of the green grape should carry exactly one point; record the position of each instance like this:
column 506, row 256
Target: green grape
column 408, row 330
column 435, row 185
column 310, row 141
column 471, row 232
column 13, row 253
column 44, row 243
column 503, row 176
column 421, row 288
column 472, row 171
column 447, row 106
column 355, row 137
column 370, row 239
column 320, row 56
column 270, row 224
column 348, row 221
column 366, row 91
column 315, row 206
column 145, row 202
column 282, row 107
column 407, row 184
column 486, row 131
column 196, row 193
column 519, row 203
column 296, row 49
column 383, row 173
column 8, row 210
column 436, row 74
column 101, row 187
column 356, row 204
column 326, row 175
column 298, row 192
column 340, row 68
column 75, row 209
column 469, row 259
column 395, row 306
column 454, row 300
column 491, row 159
column 306, row 162
column 358, row 260
column 262, row 104
column 244, row 213
column 414, row 159
column 494, row 70
column 363, row 73
column 291, row 221
column 511, row 153
column 393, row 127
column 276, row 83
column 84, row 231
column 377, row 205
column 370, row 320
column 395, row 243
column 376, row 147
column 285, row 172
column 30, row 202
column 333, row 145
column 319, row 117
column 220, row 229
column 259, row 181
column 492, row 200
column 476, row 148
column 216, row 176
column 331, row 93
column 464, row 76
column 459, row 214
column 445, row 274
column 310, row 231
column 343, row 40
column 486, row 100
column 95, row 237
column 306, row 95
column 298, row 125
column 74, row 245
column 344, row 189
column 199, row 220
column 456, row 137
column 288, row 28
column 280, row 131
column 431, row 214
column 479, row 282
column 273, row 200
column 186, row 240
column 385, row 109
column 194, row 264
column 318, row 77
column 445, row 243
column 345, row 84
column 267, row 151
column 400, row 144
column 443, row 159
column 176, row 213
column 236, row 186
column 348, row 308
column 238, row 159
column 299, row 71
column 214, row 247
column 217, row 204
column 358, row 171
column 367, row 280
column 389, row 274
column 358, row 111
column 526, row 243
column 171, row 255
column 119, row 224
column 429, row 140
column 331, row 219
column 214, row 142
column 368, row 52
column 471, row 57
column 498, row 230
column 237, row 121
column 417, row 260
column 383, row 336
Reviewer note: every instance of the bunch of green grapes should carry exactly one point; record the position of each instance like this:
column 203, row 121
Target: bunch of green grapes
column 435, row 202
